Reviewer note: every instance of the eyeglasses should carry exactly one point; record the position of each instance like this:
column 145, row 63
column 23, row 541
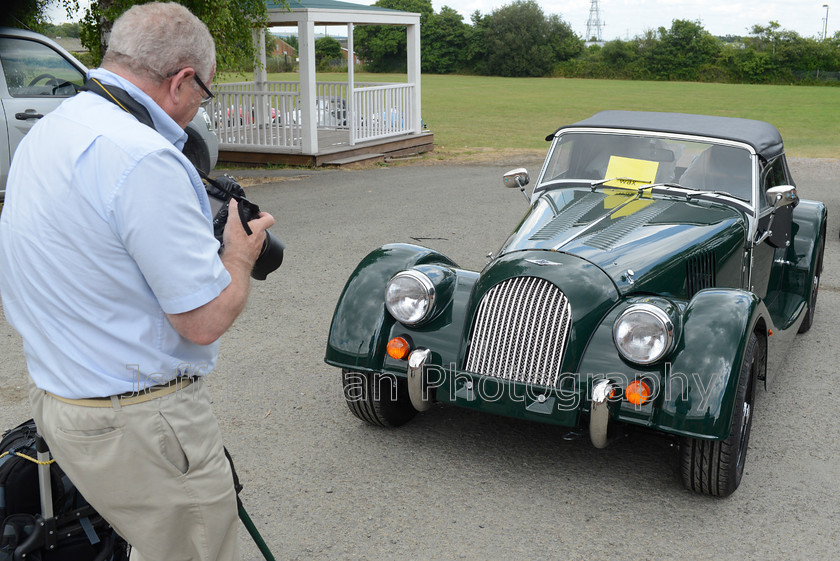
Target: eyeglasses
column 208, row 94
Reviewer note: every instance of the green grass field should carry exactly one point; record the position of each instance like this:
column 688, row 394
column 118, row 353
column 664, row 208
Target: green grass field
column 494, row 112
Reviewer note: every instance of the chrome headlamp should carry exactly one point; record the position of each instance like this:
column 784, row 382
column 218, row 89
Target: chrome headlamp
column 410, row 296
column 418, row 294
column 644, row 333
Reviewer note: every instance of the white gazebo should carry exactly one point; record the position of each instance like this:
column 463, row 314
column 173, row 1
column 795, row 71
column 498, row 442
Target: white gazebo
column 319, row 122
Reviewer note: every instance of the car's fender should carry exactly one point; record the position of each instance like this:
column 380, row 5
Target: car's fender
column 809, row 218
column 360, row 322
column 702, row 381
column 694, row 387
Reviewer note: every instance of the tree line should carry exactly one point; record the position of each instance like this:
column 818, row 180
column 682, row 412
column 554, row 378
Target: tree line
column 519, row 39
column 687, row 52
column 61, row 30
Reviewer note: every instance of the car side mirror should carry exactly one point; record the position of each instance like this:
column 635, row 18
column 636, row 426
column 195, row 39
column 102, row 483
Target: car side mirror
column 778, row 231
column 518, row 178
column 780, row 196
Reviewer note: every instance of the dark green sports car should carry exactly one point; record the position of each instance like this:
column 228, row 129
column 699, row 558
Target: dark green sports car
column 664, row 266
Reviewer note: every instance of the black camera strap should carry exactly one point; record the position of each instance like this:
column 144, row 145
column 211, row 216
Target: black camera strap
column 121, row 98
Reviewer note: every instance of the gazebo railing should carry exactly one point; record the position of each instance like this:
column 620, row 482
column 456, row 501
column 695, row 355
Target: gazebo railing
column 331, row 105
column 270, row 118
column 246, row 118
column 380, row 111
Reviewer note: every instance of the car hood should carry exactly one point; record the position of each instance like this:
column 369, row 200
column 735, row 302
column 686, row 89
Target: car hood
column 641, row 243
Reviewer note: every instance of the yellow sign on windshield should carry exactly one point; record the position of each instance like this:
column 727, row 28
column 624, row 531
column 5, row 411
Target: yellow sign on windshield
column 631, row 173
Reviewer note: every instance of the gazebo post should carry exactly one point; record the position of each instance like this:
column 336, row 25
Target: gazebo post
column 260, row 74
column 260, row 84
column 306, row 53
column 351, row 81
column 413, row 53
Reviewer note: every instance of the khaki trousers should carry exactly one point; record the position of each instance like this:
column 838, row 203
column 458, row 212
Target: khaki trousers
column 156, row 471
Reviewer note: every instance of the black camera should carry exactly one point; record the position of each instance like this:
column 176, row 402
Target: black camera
column 220, row 191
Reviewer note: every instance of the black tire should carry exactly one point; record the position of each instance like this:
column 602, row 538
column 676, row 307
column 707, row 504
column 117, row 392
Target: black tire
column 377, row 399
column 815, row 288
column 715, row 467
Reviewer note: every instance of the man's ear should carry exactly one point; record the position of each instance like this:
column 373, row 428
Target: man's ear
column 179, row 84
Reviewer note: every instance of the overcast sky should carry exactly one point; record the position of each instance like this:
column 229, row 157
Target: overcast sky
column 627, row 18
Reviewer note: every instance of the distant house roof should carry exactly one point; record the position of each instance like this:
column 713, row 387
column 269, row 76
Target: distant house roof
column 336, row 11
column 283, row 48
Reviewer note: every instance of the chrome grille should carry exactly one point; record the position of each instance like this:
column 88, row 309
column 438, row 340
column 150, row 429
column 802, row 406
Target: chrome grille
column 520, row 332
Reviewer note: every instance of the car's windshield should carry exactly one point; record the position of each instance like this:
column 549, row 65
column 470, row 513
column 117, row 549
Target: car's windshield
column 638, row 160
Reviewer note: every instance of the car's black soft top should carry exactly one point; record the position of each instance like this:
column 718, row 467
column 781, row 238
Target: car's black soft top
column 763, row 137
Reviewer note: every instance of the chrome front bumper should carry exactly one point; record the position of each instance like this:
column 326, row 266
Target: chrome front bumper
column 416, row 361
column 599, row 414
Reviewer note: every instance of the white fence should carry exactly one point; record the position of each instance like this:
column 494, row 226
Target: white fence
column 260, row 120
column 246, row 118
column 380, row 111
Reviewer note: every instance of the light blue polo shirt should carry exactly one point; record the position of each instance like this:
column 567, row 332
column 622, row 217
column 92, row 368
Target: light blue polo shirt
column 106, row 227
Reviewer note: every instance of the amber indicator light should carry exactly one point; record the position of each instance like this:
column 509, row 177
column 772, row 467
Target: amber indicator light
column 638, row 392
column 398, row 348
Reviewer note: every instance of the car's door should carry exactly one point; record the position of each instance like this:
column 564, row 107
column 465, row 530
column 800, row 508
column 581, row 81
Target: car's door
column 769, row 257
column 35, row 79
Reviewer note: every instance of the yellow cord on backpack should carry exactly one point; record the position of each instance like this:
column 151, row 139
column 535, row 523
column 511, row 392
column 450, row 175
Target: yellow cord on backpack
column 30, row 458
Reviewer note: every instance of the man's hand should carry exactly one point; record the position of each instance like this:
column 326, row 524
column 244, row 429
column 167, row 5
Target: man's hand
column 207, row 323
column 242, row 250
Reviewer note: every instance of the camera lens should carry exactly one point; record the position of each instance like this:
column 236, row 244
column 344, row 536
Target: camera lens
column 270, row 258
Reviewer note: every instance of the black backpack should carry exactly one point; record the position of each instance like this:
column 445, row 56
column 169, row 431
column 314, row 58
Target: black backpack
column 75, row 531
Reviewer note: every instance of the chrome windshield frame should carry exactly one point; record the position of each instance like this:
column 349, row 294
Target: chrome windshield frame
column 750, row 209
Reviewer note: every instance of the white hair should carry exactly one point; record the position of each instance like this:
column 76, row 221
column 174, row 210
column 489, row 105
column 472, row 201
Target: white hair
column 159, row 39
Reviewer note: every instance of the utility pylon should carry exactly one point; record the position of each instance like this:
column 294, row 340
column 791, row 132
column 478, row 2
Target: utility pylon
column 594, row 23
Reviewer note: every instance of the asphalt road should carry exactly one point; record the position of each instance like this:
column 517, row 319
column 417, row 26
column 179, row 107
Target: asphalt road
column 454, row 484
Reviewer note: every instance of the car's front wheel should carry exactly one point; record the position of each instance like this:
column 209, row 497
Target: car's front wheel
column 715, row 467
column 377, row 399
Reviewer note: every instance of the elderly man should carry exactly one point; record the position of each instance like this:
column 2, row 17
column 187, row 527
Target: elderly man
column 110, row 272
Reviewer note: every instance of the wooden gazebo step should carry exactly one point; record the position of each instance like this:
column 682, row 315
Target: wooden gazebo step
column 358, row 159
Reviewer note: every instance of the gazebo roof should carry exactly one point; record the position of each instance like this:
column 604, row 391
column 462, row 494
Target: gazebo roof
column 336, row 11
